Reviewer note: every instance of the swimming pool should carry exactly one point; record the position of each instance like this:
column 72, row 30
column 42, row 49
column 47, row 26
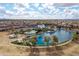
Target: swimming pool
column 62, row 35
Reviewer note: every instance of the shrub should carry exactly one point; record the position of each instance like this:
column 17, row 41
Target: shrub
column 75, row 36
column 21, row 31
column 16, row 42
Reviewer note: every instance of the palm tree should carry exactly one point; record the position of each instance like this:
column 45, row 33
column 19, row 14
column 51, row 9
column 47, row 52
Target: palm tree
column 57, row 48
column 33, row 40
column 46, row 40
column 55, row 41
column 34, row 50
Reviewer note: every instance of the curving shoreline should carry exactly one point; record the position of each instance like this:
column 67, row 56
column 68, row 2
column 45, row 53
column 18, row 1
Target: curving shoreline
column 61, row 44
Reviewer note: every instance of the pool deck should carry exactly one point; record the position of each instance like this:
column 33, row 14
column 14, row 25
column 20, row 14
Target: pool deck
column 9, row 49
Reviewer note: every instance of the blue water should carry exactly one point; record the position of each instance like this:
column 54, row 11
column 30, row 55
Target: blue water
column 62, row 36
column 40, row 39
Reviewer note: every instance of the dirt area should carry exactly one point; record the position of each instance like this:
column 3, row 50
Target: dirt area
column 9, row 49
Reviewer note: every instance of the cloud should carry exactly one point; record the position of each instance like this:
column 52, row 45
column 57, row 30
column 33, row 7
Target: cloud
column 39, row 11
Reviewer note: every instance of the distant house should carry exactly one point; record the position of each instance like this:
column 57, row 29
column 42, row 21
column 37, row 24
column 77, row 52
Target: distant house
column 41, row 26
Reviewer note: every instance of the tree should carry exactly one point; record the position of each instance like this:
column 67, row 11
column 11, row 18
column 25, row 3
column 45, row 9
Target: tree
column 21, row 31
column 55, row 41
column 33, row 40
column 75, row 36
column 46, row 39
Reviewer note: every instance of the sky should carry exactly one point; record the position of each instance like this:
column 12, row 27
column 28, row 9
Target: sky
column 39, row 11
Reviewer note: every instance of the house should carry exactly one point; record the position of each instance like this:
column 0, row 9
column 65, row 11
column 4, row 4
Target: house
column 41, row 26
